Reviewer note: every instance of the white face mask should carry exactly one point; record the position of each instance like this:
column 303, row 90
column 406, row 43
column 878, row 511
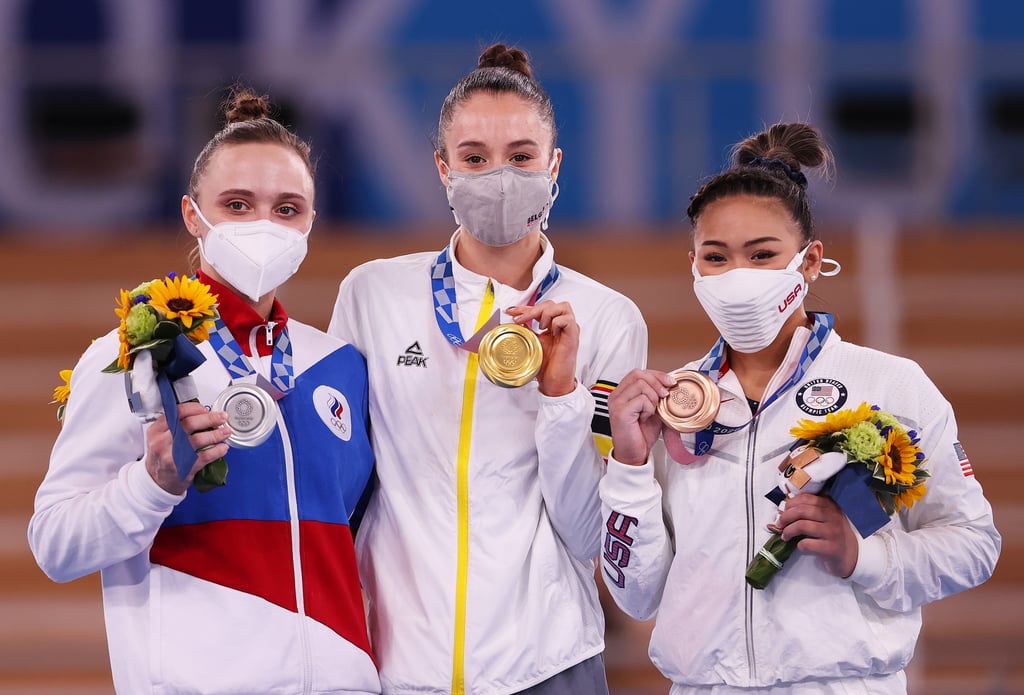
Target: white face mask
column 502, row 205
column 254, row 257
column 749, row 305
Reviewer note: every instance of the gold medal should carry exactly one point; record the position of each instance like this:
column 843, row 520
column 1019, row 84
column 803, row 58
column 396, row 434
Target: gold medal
column 510, row 355
column 692, row 404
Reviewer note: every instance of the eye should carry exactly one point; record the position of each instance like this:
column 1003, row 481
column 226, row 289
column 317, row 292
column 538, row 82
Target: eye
column 520, row 158
column 713, row 257
column 474, row 159
column 238, row 205
column 287, row 210
column 763, row 255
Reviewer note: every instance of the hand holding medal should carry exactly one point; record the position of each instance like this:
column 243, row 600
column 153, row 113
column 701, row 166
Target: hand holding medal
column 692, row 404
column 552, row 357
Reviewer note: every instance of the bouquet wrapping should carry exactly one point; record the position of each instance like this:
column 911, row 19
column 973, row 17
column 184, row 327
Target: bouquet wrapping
column 862, row 458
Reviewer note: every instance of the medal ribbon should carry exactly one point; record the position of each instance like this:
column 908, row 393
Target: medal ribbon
column 712, row 367
column 282, row 370
column 446, row 306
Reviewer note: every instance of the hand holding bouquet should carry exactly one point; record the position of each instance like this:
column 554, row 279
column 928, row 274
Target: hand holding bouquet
column 863, row 458
column 161, row 321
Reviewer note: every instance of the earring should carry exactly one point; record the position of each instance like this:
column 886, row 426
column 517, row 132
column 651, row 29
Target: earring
column 814, row 277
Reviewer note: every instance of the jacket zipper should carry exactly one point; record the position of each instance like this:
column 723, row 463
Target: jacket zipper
column 462, row 503
column 293, row 517
column 749, row 591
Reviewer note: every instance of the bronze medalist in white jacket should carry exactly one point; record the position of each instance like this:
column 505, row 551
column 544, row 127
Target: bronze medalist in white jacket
column 678, row 539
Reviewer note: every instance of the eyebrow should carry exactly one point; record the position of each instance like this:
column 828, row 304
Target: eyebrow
column 246, row 193
column 752, row 242
column 511, row 145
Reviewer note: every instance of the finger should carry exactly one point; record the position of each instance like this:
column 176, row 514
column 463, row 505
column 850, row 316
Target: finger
column 203, row 440
column 818, row 546
column 204, row 420
column 640, row 407
column 641, row 379
column 801, row 527
column 544, row 313
column 524, row 314
column 564, row 325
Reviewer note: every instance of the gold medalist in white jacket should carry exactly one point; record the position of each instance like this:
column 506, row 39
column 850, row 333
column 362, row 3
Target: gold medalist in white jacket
column 477, row 550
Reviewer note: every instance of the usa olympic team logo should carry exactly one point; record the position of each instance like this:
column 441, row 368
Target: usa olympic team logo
column 821, row 396
column 332, row 407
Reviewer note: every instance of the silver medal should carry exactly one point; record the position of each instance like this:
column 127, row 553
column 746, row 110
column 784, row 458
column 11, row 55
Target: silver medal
column 252, row 414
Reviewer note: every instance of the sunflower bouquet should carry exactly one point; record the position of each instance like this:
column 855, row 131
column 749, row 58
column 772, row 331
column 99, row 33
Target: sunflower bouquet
column 155, row 313
column 862, row 458
column 161, row 321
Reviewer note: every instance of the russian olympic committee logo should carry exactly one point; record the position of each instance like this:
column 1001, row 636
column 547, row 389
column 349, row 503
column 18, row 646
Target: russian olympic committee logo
column 821, row 396
column 332, row 407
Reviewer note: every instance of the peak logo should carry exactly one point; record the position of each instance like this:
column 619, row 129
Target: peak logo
column 413, row 356
column 332, row 407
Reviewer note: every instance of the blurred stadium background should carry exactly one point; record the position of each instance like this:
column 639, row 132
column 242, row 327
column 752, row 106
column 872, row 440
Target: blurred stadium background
column 105, row 103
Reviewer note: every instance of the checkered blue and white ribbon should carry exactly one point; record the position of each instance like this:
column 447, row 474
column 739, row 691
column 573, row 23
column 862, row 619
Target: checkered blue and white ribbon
column 446, row 305
column 712, row 366
column 282, row 371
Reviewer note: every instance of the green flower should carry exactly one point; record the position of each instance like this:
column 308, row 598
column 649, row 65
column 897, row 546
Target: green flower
column 141, row 291
column 864, row 442
column 139, row 324
column 885, row 419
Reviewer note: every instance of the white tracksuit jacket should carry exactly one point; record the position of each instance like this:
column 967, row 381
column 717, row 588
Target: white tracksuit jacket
column 249, row 588
column 479, row 562
column 678, row 539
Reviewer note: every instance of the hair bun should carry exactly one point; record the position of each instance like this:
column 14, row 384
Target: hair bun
column 501, row 56
column 243, row 104
column 796, row 145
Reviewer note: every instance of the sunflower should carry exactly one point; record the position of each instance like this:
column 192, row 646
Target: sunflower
column 125, row 305
column 184, row 299
column 834, row 422
column 912, row 494
column 61, row 392
column 899, row 458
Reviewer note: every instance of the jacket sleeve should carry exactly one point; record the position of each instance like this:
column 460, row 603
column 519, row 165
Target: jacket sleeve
column 570, row 464
column 343, row 322
column 946, row 542
column 97, row 504
column 637, row 548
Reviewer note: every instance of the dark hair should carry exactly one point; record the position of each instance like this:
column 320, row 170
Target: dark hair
column 768, row 165
column 247, row 119
column 500, row 70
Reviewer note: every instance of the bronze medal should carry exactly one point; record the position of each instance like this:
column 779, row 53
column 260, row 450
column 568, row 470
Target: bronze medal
column 692, row 404
column 510, row 355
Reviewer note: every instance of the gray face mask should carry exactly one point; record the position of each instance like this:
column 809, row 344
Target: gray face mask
column 502, row 205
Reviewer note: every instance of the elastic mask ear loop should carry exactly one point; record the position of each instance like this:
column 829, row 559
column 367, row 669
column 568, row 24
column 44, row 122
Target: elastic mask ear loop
column 833, row 271
column 554, row 193
column 199, row 239
column 798, row 259
column 195, row 206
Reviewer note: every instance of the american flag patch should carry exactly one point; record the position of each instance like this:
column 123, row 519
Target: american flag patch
column 601, row 425
column 961, row 456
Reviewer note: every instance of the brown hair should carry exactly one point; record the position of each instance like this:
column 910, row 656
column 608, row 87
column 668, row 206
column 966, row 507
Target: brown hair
column 247, row 119
column 500, row 70
column 768, row 165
